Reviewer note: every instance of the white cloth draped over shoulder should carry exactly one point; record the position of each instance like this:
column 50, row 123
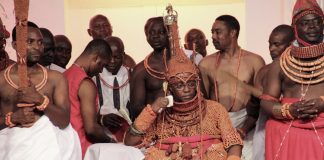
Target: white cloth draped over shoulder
column 238, row 118
column 41, row 141
column 113, row 151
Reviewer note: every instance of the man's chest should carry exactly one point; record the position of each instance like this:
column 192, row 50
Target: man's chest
column 230, row 72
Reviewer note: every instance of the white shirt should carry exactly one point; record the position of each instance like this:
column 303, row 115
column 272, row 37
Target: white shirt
column 198, row 57
column 107, row 92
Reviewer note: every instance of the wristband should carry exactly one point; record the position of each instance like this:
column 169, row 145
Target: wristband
column 44, row 104
column 8, row 120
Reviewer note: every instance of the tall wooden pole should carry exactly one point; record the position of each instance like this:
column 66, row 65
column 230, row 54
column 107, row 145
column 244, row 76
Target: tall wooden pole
column 21, row 13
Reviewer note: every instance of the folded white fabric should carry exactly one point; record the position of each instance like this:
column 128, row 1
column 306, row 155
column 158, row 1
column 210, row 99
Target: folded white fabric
column 41, row 141
column 113, row 151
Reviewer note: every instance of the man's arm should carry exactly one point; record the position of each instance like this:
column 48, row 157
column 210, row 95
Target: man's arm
column 56, row 108
column 87, row 94
column 204, row 77
column 272, row 88
column 253, row 105
column 258, row 63
column 59, row 110
column 137, row 91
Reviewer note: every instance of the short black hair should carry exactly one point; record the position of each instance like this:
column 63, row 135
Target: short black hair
column 99, row 47
column 47, row 33
column 287, row 30
column 29, row 24
column 150, row 21
column 231, row 22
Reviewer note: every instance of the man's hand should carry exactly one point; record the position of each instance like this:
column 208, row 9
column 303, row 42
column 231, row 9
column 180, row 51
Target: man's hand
column 29, row 95
column 24, row 115
column 159, row 104
column 112, row 120
column 307, row 109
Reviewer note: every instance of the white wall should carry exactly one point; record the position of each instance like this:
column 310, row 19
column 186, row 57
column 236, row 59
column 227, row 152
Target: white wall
column 45, row 13
column 128, row 24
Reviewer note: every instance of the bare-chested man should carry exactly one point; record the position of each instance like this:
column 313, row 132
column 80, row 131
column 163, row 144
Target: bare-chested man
column 100, row 28
column 295, row 130
column 25, row 131
column 221, row 70
column 148, row 76
column 280, row 38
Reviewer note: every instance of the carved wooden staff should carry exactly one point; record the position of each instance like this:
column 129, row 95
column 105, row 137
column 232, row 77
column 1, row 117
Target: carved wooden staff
column 21, row 13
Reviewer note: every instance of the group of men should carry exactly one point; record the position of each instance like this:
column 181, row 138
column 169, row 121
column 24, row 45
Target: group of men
column 218, row 99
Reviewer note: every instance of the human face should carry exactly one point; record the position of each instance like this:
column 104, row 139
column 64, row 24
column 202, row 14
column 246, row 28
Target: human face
column 115, row 61
column 156, row 35
column 35, row 46
column 221, row 35
column 310, row 28
column 184, row 91
column 96, row 65
column 100, row 28
column 278, row 42
column 63, row 49
column 198, row 38
column 49, row 50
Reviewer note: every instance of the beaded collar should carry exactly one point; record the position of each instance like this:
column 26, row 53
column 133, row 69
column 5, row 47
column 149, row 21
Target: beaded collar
column 312, row 51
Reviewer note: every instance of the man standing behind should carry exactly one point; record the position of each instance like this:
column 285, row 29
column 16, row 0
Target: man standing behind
column 196, row 40
column 231, row 61
column 49, row 50
column 280, row 38
column 63, row 50
column 113, row 89
column 83, row 93
column 149, row 75
column 295, row 130
column 100, row 28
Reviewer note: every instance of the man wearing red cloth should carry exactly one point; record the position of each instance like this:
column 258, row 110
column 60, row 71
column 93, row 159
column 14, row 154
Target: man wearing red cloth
column 296, row 130
column 83, row 93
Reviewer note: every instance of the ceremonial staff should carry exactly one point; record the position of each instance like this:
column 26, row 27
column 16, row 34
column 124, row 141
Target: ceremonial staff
column 21, row 14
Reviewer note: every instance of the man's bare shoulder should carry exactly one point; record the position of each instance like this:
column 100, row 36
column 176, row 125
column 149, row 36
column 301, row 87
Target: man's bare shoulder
column 252, row 56
column 254, row 60
column 207, row 61
column 262, row 73
column 55, row 76
column 274, row 66
column 138, row 70
column 264, row 70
